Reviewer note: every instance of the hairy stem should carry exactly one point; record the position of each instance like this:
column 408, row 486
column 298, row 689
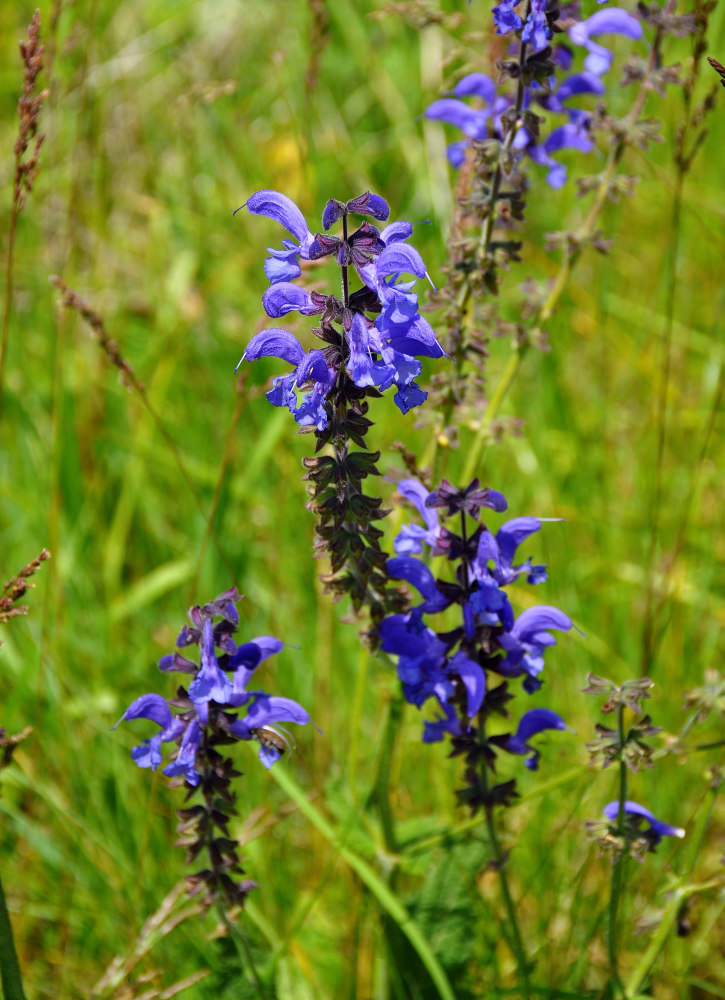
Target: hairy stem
column 617, row 882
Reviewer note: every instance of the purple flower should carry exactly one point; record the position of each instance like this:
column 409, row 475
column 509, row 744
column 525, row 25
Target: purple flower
column 477, row 123
column 613, row 21
column 447, row 723
column 408, row 542
column 422, row 658
column 536, row 30
column 473, row 678
column 285, row 297
column 415, row 572
column 526, row 642
column 489, row 605
column 382, row 352
column 478, row 85
column 309, row 368
column 186, row 758
column 265, row 712
column 502, row 549
column 571, row 136
column 532, row 722
column 283, row 265
column 211, row 683
column 571, row 86
column 155, row 708
column 471, row 121
column 505, row 18
column 212, row 689
column 657, row 829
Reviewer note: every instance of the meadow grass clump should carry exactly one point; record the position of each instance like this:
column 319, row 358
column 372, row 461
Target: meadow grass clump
column 551, row 332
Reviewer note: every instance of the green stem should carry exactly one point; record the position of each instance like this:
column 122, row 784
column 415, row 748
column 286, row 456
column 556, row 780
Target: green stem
column 484, row 240
column 451, row 834
column 617, row 883
column 387, row 900
column 675, row 900
column 242, row 946
column 516, row 942
column 10, row 977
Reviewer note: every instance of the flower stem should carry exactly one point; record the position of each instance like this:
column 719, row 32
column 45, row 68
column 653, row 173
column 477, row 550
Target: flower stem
column 516, row 942
column 10, row 976
column 676, row 898
column 484, row 242
column 585, row 230
column 617, row 882
column 345, row 286
column 488, row 222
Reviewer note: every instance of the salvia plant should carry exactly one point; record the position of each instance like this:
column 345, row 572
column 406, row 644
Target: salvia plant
column 442, row 600
column 207, row 718
column 374, row 337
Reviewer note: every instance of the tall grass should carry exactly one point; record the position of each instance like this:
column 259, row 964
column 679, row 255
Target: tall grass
column 162, row 118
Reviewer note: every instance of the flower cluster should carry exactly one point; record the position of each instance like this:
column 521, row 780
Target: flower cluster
column 543, row 90
column 208, row 717
column 454, row 666
column 374, row 353
column 212, row 695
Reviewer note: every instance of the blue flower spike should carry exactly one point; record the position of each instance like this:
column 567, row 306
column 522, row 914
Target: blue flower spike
column 487, row 120
column 383, row 333
column 459, row 664
column 217, row 710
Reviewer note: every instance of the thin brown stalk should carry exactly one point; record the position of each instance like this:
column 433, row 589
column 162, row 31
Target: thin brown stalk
column 129, row 378
column 26, row 168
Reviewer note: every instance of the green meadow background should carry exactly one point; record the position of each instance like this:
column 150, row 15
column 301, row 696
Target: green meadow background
column 163, row 117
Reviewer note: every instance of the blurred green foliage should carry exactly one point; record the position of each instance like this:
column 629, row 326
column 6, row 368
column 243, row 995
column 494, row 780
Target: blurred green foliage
column 163, row 117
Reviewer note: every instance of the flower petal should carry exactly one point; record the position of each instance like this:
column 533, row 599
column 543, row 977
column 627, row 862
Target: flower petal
column 274, row 343
column 474, row 681
column 471, row 121
column 477, row 84
column 512, row 533
column 400, row 258
column 282, row 209
column 416, row 573
column 149, row 706
column 265, row 711
column 284, row 297
column 660, row 829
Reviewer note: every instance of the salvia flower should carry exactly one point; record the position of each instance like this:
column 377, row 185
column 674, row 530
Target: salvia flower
column 456, row 666
column 218, row 708
column 542, row 87
column 374, row 335
column 219, row 683
column 535, row 721
column 637, row 833
column 635, row 814
column 612, row 21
